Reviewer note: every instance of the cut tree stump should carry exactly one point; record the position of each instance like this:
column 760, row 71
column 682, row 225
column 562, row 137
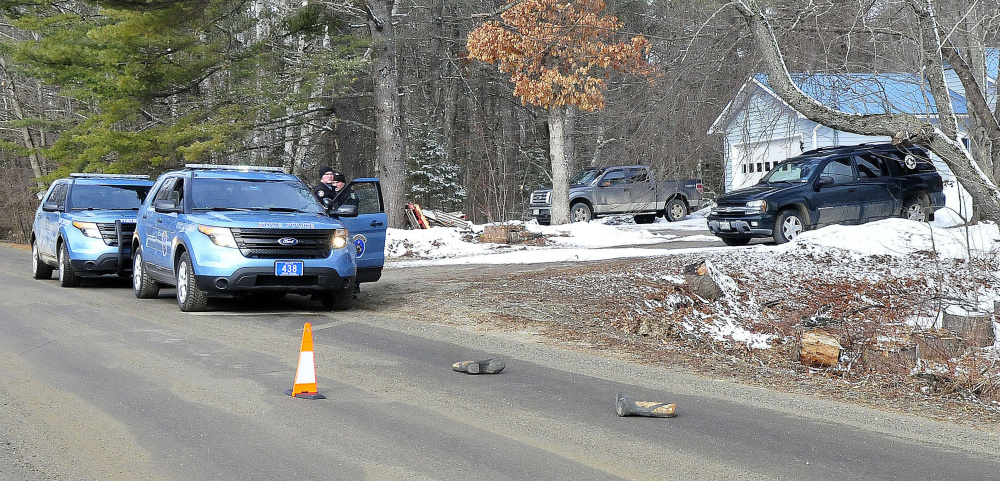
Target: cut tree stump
column 938, row 344
column 975, row 328
column 819, row 348
column 890, row 357
column 701, row 282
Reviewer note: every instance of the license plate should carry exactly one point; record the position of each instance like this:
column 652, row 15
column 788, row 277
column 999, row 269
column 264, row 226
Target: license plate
column 285, row 268
column 725, row 225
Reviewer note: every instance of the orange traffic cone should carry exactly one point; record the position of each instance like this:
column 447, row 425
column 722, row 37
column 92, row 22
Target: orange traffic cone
column 305, row 375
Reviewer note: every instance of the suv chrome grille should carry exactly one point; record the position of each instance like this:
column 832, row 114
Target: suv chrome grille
column 110, row 236
column 265, row 243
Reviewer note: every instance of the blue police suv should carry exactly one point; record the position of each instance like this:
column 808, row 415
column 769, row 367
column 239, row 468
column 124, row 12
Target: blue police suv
column 226, row 231
column 84, row 224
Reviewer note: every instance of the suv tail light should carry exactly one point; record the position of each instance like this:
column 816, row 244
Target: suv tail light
column 700, row 187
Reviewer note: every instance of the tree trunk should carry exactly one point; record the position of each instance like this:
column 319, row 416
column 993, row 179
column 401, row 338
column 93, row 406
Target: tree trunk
column 388, row 132
column 560, row 166
column 29, row 143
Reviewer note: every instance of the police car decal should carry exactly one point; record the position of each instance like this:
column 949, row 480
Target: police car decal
column 910, row 161
column 359, row 244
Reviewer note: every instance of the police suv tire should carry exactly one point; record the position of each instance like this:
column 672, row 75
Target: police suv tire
column 143, row 286
column 916, row 209
column 338, row 300
column 189, row 297
column 675, row 210
column 788, row 226
column 39, row 269
column 580, row 212
column 67, row 276
column 736, row 241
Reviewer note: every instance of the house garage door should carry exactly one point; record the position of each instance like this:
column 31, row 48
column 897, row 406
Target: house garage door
column 750, row 162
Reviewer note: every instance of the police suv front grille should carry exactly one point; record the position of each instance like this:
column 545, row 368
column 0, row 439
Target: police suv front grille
column 540, row 197
column 284, row 243
column 111, row 237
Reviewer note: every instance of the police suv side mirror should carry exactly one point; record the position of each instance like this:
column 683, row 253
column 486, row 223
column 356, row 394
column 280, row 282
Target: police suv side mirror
column 164, row 205
column 50, row 207
column 346, row 210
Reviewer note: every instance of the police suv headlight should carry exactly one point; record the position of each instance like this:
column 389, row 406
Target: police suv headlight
column 757, row 206
column 339, row 240
column 221, row 236
column 89, row 229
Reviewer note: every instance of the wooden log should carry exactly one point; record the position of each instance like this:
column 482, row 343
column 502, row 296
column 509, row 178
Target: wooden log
column 700, row 281
column 819, row 348
column 975, row 328
column 894, row 358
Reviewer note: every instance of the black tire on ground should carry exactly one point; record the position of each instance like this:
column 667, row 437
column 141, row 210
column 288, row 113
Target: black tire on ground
column 916, row 209
column 736, row 241
column 338, row 300
column 580, row 212
column 645, row 218
column 67, row 276
column 788, row 226
column 39, row 269
column 676, row 210
column 143, row 286
column 189, row 297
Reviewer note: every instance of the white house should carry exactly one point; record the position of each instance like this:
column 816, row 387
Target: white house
column 761, row 130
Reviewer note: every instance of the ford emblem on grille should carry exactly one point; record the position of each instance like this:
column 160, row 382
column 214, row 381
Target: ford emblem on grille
column 288, row 241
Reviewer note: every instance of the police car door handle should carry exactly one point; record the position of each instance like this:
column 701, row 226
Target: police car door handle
column 159, row 220
column 375, row 223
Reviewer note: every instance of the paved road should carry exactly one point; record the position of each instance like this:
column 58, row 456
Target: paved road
column 95, row 384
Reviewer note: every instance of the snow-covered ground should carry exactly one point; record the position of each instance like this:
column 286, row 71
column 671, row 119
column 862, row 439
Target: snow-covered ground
column 616, row 237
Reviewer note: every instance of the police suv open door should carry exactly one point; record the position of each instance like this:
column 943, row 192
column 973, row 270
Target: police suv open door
column 367, row 230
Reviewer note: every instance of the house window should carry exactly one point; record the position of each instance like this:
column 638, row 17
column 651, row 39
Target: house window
column 760, row 167
column 744, row 168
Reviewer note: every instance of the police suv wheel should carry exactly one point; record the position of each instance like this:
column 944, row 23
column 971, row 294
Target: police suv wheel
column 39, row 269
column 189, row 297
column 143, row 286
column 67, row 276
column 337, row 300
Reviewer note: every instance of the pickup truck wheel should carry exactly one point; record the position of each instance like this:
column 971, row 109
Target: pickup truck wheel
column 788, row 226
column 143, row 286
column 67, row 276
column 39, row 269
column 676, row 210
column 189, row 297
column 337, row 300
column 580, row 212
column 916, row 209
column 736, row 241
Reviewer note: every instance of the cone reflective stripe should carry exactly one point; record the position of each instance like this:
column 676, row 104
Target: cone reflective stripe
column 305, row 374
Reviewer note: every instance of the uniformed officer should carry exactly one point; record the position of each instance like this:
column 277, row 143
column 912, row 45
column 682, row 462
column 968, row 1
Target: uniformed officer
column 330, row 182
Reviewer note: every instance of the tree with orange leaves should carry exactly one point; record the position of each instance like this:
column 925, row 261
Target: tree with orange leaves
column 559, row 54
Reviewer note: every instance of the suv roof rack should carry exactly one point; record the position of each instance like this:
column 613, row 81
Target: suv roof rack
column 235, row 168
column 81, row 175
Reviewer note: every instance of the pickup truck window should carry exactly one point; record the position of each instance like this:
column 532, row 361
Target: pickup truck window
column 614, row 177
column 584, row 177
column 840, row 169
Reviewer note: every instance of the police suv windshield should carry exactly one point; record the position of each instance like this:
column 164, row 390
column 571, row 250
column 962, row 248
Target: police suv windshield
column 107, row 197
column 252, row 194
column 793, row 170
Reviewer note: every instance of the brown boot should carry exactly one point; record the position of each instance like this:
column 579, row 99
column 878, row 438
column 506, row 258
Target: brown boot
column 488, row 366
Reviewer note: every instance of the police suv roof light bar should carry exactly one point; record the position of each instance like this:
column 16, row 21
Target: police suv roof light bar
column 80, row 175
column 236, row 168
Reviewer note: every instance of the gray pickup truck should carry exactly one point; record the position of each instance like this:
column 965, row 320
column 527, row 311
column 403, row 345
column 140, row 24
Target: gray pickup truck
column 629, row 189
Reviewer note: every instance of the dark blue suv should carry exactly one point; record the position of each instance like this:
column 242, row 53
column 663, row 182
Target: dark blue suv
column 225, row 231
column 81, row 224
column 833, row 185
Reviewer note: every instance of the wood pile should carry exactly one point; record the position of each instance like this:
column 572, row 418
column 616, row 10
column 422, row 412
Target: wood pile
column 446, row 219
column 508, row 234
